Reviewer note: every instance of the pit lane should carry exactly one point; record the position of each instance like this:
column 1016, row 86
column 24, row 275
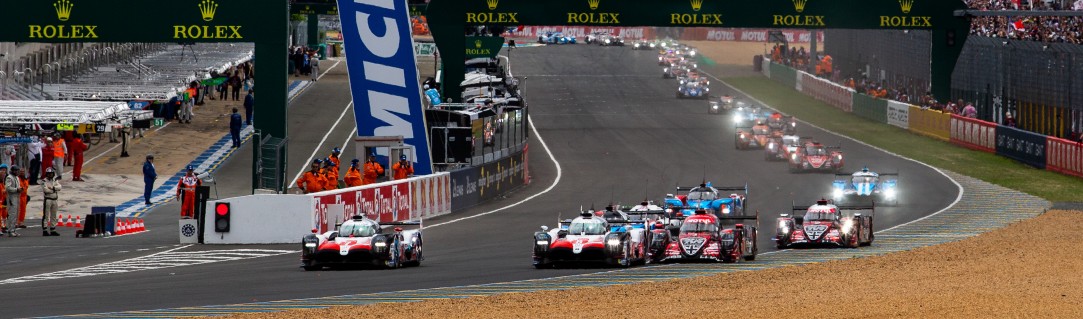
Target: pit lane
column 618, row 133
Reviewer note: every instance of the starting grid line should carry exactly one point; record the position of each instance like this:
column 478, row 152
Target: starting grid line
column 983, row 207
column 165, row 259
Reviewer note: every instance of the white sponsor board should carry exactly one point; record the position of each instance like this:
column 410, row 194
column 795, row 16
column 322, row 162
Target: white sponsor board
column 898, row 114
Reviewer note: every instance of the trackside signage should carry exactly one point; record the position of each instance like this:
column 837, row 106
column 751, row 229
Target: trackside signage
column 383, row 74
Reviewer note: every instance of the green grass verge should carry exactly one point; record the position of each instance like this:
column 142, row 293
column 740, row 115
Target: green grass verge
column 987, row 167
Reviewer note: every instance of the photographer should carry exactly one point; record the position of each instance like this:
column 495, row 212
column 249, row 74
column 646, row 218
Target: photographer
column 402, row 169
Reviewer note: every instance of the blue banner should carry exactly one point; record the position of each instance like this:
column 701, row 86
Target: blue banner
column 1020, row 145
column 383, row 74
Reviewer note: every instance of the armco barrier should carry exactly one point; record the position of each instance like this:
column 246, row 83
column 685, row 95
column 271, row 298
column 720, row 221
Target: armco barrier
column 973, row 133
column 898, row 114
column 411, row 198
column 836, row 95
column 870, row 107
column 784, row 75
column 1064, row 156
column 473, row 185
column 930, row 122
column 1020, row 145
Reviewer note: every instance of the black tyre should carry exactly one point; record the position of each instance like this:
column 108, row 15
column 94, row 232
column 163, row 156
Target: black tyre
column 311, row 268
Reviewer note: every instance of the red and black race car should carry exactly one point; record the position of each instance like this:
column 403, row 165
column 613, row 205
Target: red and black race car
column 704, row 237
column 826, row 224
column 784, row 125
column 754, row 137
column 814, row 156
column 363, row 242
column 784, row 147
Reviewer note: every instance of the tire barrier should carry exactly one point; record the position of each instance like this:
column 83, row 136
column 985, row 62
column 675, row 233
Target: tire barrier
column 870, row 108
column 930, row 122
column 1064, row 156
column 1020, row 145
column 836, row 95
column 973, row 133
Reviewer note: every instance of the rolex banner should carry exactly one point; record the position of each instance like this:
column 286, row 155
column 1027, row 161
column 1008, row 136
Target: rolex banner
column 383, row 75
column 483, row 47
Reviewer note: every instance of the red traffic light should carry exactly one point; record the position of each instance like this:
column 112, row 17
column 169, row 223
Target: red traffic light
column 221, row 209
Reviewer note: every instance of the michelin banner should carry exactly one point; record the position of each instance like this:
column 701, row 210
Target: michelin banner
column 383, row 74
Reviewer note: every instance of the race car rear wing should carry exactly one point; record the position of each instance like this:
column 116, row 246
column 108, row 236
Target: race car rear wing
column 871, row 208
column 723, row 188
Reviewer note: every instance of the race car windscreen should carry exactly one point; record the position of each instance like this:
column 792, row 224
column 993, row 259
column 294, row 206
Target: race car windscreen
column 701, row 195
column 760, row 130
column 814, row 150
column 698, row 226
column 587, row 227
column 864, row 179
column 357, row 230
column 820, row 216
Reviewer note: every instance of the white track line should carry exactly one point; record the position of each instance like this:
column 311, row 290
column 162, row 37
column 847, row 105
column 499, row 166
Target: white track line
column 957, row 185
column 317, row 150
column 328, row 70
column 551, row 186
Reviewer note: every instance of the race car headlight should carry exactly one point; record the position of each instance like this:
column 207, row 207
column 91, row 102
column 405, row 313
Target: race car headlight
column 606, row 40
column 542, row 243
column 706, row 89
column 725, row 210
column 793, row 156
column 310, row 245
column 837, row 193
column 737, row 118
column 890, row 192
column 794, row 124
column 714, row 106
column 380, row 244
column 847, row 225
column 659, row 59
column 692, row 53
column 771, row 146
column 613, row 242
column 782, row 224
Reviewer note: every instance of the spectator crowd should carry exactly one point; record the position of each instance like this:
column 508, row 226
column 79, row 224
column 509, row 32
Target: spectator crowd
column 1050, row 29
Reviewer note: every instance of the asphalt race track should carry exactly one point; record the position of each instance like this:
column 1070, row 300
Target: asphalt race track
column 608, row 117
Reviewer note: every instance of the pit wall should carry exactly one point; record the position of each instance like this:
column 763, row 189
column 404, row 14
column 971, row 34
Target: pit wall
column 1041, row 151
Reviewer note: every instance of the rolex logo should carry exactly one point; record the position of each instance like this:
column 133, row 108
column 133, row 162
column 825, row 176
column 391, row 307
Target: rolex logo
column 594, row 4
column 799, row 5
column 477, row 44
column 207, row 9
column 63, row 9
column 906, row 5
column 697, row 4
column 492, row 4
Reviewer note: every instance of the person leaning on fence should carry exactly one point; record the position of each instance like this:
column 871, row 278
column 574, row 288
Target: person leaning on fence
column 50, row 187
column 330, row 175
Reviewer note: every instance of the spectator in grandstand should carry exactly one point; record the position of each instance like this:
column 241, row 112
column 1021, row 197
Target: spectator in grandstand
column 970, row 111
column 1008, row 119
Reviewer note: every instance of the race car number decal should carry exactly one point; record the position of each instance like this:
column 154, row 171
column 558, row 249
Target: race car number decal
column 815, row 231
column 692, row 244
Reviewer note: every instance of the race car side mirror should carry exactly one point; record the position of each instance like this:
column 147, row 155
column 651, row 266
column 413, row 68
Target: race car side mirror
column 545, row 228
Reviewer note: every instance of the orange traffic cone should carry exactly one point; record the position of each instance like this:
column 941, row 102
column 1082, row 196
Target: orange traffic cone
column 119, row 229
column 124, row 227
column 140, row 226
column 59, row 220
column 78, row 222
column 67, row 222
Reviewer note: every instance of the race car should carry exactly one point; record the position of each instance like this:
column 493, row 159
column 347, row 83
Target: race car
column 642, row 45
column 556, row 38
column 693, row 76
column 611, row 40
column 814, row 156
column 782, row 148
column 753, row 137
column 675, row 71
column 826, row 224
column 747, row 115
column 693, row 90
column 669, row 58
column 703, row 237
column 883, row 188
column 707, row 197
column 361, row 241
column 589, row 238
column 595, row 36
column 787, row 125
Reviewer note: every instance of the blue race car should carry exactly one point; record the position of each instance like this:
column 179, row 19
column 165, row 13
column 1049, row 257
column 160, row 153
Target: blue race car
column 556, row 38
column 709, row 198
column 746, row 115
column 882, row 188
column 693, row 89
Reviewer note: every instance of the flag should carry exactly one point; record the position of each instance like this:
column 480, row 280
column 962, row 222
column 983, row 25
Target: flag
column 1018, row 24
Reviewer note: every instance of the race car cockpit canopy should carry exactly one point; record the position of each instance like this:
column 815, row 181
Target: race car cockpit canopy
column 698, row 226
column 702, row 193
column 821, row 213
column 587, row 226
column 358, row 228
column 864, row 178
column 815, row 150
column 760, row 130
